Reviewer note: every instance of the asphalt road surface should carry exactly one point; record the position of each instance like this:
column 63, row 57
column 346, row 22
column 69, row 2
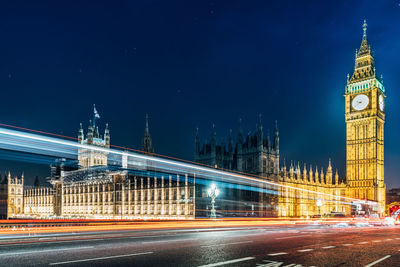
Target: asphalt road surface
column 316, row 245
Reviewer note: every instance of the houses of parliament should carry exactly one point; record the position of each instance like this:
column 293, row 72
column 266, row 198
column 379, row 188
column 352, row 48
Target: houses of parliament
column 364, row 116
column 93, row 189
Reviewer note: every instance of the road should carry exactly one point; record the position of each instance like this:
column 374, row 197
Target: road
column 292, row 245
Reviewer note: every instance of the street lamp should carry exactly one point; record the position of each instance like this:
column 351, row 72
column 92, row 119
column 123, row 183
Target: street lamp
column 319, row 204
column 213, row 193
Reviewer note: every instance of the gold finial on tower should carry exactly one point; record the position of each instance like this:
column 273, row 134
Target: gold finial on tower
column 365, row 29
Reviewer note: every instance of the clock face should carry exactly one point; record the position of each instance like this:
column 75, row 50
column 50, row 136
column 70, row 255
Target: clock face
column 381, row 103
column 360, row 102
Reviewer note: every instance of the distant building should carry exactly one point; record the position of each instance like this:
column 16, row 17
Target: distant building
column 392, row 196
column 254, row 154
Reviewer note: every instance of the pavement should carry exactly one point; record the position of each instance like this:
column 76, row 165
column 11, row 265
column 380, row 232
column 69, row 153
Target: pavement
column 273, row 246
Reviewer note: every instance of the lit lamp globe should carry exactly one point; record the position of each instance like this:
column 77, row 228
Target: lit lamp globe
column 319, row 204
column 213, row 192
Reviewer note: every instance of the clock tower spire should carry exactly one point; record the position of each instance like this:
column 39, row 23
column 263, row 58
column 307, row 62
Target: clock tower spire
column 365, row 118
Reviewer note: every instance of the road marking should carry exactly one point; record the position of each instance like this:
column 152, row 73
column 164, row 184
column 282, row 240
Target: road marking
column 41, row 251
column 389, row 239
column 292, row 236
column 227, row 262
column 376, row 241
column 397, row 237
column 377, row 261
column 168, row 241
column 277, row 254
column 327, row 247
column 305, row 250
column 101, row 258
column 224, row 244
column 364, row 242
column 347, row 245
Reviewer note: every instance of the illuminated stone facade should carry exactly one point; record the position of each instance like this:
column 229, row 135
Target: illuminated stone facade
column 365, row 118
column 11, row 196
column 95, row 189
column 302, row 189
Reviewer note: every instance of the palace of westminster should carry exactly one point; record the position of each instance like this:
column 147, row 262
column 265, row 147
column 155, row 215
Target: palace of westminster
column 92, row 189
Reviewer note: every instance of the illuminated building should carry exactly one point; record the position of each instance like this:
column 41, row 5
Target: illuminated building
column 305, row 187
column 365, row 118
column 99, row 184
column 255, row 154
column 11, row 196
column 97, row 189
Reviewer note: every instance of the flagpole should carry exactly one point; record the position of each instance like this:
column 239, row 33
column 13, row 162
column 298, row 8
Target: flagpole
column 94, row 115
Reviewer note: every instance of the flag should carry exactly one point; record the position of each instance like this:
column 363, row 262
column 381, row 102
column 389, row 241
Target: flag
column 96, row 114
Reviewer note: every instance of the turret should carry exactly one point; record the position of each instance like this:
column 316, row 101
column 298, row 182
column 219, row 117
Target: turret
column 284, row 169
column 230, row 150
column 291, row 170
column 147, row 144
column 298, row 171
column 260, row 134
column 305, row 173
column 107, row 136
column 96, row 133
column 311, row 176
column 90, row 133
column 316, row 179
column 269, row 147
column 336, row 177
column 329, row 173
column 36, row 183
column 213, row 146
column 322, row 176
column 81, row 136
column 239, row 162
column 276, row 138
column 230, row 145
column 197, row 145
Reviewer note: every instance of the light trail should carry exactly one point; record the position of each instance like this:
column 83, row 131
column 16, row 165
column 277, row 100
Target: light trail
column 60, row 148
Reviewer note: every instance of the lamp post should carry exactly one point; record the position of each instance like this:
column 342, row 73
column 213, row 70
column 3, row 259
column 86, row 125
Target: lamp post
column 213, row 193
column 319, row 204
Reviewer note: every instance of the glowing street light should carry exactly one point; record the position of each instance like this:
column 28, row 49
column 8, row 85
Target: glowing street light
column 213, row 192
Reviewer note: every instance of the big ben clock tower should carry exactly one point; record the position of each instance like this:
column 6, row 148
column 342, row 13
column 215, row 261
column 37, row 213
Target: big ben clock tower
column 365, row 119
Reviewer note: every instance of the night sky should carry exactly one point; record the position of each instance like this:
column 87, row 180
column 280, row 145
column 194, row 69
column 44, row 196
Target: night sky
column 193, row 64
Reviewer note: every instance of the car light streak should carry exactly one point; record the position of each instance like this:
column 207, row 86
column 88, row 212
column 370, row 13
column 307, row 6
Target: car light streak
column 57, row 147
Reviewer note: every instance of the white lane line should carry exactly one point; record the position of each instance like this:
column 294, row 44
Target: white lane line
column 101, row 258
column 347, row 245
column 305, row 250
column 42, row 251
column 364, row 242
column 277, row 254
column 389, row 239
column 224, row 244
column 397, row 237
column 377, row 241
column 327, row 247
column 55, row 242
column 227, row 262
column 168, row 241
column 377, row 261
column 286, row 237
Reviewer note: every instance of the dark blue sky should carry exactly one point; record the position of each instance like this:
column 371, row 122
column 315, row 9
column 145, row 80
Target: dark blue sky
column 195, row 63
